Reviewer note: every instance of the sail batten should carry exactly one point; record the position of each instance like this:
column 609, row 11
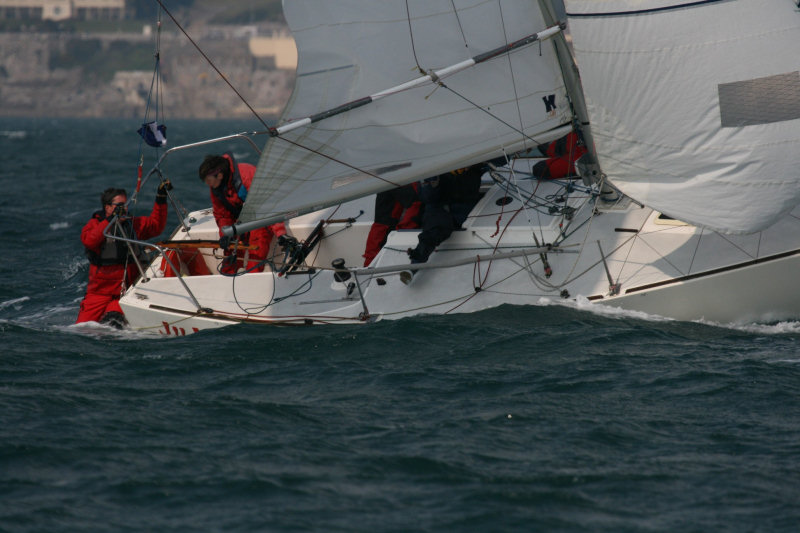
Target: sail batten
column 495, row 101
column 422, row 80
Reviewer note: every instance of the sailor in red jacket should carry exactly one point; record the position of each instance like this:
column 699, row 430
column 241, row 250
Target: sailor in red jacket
column 229, row 182
column 561, row 156
column 112, row 267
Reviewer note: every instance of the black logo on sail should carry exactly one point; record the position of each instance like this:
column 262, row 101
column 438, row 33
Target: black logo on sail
column 550, row 104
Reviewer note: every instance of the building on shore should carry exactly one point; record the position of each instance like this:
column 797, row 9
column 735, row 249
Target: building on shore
column 62, row 9
column 277, row 51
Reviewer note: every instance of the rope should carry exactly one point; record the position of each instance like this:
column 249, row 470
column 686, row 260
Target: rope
column 511, row 67
column 460, row 27
column 502, row 208
column 296, row 292
column 411, row 38
column 154, row 84
column 495, row 117
column 470, row 102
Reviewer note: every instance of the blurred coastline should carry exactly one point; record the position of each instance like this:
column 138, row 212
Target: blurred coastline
column 49, row 70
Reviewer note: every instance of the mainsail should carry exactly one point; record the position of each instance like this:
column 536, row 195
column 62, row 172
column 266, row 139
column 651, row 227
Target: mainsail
column 695, row 105
column 350, row 49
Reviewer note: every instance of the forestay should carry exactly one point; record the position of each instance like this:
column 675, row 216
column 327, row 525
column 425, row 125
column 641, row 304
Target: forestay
column 351, row 49
column 695, row 106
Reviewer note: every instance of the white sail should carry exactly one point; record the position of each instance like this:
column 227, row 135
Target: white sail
column 350, row 50
column 695, row 105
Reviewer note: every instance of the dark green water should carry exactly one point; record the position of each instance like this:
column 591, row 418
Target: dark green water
column 516, row 419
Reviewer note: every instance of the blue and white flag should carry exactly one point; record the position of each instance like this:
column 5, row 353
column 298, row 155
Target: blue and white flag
column 154, row 134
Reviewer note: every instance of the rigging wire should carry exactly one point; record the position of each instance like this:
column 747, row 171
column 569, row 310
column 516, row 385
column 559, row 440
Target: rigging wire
column 511, row 66
column 273, row 300
column 460, row 27
column 159, row 85
column 524, row 207
column 155, row 88
column 470, row 102
column 476, row 275
column 582, row 247
column 155, row 99
column 543, row 283
column 411, row 38
column 481, row 108
column 411, row 33
column 212, row 65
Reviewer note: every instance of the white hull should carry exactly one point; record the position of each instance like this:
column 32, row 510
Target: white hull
column 660, row 267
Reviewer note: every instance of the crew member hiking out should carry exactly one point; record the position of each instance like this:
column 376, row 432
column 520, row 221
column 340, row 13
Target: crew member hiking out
column 112, row 267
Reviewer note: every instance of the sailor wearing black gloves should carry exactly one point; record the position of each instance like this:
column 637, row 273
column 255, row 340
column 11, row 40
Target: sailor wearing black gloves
column 111, row 266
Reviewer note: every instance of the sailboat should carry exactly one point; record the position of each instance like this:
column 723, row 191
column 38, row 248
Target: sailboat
column 685, row 205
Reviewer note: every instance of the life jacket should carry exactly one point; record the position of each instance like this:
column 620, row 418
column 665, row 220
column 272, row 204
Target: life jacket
column 115, row 251
column 235, row 182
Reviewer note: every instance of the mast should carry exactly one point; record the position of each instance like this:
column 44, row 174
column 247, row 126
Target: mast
column 590, row 172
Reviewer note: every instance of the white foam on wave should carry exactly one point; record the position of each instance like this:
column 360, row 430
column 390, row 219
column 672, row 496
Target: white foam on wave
column 583, row 304
column 42, row 315
column 97, row 330
column 85, row 329
column 73, row 267
column 59, row 225
column 14, row 302
column 13, row 134
column 781, row 328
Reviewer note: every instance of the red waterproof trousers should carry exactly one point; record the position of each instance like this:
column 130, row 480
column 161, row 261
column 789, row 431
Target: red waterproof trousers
column 394, row 209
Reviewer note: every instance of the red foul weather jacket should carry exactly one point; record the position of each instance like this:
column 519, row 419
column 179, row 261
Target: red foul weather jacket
column 111, row 279
column 228, row 199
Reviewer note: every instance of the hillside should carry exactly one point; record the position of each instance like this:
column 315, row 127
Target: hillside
column 106, row 69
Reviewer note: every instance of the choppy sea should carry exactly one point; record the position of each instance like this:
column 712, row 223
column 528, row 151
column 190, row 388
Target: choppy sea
column 544, row 418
